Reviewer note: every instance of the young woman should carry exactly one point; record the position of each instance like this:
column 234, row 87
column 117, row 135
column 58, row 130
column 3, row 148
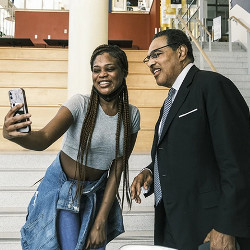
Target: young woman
column 75, row 205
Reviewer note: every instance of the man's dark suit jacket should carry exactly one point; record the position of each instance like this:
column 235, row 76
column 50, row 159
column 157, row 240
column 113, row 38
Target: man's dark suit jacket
column 204, row 160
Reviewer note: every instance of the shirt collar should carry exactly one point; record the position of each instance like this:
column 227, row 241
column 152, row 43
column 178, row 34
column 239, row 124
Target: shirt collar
column 179, row 80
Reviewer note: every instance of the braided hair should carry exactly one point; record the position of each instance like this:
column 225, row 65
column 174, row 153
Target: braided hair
column 90, row 120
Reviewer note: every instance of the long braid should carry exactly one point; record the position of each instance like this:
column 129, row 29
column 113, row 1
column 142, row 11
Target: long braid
column 117, row 139
column 126, row 147
column 85, row 139
column 123, row 112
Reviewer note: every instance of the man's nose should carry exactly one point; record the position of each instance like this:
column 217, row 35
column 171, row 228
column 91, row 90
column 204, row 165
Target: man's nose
column 150, row 62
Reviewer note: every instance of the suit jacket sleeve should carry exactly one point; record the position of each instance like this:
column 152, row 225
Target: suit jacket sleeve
column 229, row 123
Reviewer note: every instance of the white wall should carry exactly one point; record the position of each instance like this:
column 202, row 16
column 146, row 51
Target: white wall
column 238, row 32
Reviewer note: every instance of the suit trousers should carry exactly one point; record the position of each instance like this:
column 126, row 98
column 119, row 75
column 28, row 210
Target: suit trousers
column 162, row 231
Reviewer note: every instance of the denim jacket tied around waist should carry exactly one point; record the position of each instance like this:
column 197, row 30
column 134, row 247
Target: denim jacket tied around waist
column 57, row 192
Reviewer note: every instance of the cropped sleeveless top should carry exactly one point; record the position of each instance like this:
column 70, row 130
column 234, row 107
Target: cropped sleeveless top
column 102, row 148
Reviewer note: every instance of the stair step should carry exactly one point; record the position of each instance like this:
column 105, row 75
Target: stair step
column 228, row 58
column 239, row 78
column 243, row 85
column 228, row 71
column 35, row 79
column 221, row 46
column 8, row 65
column 222, row 55
column 12, row 219
column 21, row 196
column 22, row 178
column 23, row 169
column 34, row 160
column 34, row 53
column 137, row 237
column 230, row 65
column 11, row 240
column 36, row 96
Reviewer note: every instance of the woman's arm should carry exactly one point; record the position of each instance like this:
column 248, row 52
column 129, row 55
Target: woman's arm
column 97, row 235
column 36, row 140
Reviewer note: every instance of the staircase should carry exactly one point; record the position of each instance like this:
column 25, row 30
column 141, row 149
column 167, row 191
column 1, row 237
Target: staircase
column 20, row 169
column 19, row 172
column 233, row 64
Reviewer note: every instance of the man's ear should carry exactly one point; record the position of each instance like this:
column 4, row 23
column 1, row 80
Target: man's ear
column 182, row 50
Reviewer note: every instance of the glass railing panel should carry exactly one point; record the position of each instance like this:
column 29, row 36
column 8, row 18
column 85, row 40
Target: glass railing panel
column 42, row 4
column 7, row 22
column 131, row 5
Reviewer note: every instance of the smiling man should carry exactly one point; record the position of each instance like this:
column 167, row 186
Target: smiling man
column 200, row 170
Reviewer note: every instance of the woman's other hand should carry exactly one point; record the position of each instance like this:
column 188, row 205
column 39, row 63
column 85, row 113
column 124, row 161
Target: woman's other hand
column 97, row 235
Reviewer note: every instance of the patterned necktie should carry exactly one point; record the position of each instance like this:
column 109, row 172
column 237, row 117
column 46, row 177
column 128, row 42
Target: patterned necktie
column 166, row 108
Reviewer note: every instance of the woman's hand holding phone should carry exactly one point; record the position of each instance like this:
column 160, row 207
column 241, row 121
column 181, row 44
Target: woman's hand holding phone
column 17, row 122
column 13, row 123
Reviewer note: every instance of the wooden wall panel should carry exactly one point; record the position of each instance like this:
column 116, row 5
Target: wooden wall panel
column 33, row 66
column 147, row 98
column 7, row 146
column 33, row 53
column 144, row 142
column 40, row 116
column 34, row 79
column 39, row 96
column 149, row 117
column 47, row 90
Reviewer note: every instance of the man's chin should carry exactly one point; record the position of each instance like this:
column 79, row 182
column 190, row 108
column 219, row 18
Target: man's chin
column 161, row 84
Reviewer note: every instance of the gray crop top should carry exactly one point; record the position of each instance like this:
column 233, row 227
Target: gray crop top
column 102, row 148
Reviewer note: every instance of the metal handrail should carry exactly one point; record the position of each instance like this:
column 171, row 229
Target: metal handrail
column 210, row 36
column 204, row 27
column 186, row 13
column 248, row 38
column 188, row 9
column 229, row 27
column 241, row 23
column 197, row 44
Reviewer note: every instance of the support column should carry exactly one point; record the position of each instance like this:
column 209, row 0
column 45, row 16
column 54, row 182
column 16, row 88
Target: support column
column 88, row 28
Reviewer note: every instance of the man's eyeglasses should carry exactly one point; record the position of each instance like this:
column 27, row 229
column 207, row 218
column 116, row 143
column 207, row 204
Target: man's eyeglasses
column 155, row 53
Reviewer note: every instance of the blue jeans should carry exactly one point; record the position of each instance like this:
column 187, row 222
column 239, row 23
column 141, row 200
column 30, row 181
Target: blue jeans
column 69, row 225
column 56, row 193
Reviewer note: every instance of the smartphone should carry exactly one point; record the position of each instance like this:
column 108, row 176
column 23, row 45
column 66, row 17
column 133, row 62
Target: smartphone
column 17, row 96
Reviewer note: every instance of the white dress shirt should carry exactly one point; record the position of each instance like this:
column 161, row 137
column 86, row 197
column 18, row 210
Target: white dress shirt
column 177, row 84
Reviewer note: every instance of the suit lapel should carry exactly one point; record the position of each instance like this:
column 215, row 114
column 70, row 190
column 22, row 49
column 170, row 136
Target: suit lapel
column 179, row 99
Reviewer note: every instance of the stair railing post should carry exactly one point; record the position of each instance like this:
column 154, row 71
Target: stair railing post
column 201, row 61
column 229, row 35
column 195, row 30
column 0, row 21
column 248, row 50
column 210, row 42
column 12, row 22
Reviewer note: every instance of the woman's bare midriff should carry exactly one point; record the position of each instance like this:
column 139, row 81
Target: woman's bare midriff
column 69, row 167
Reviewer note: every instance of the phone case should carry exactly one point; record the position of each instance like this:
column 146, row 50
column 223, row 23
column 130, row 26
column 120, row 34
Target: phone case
column 17, row 96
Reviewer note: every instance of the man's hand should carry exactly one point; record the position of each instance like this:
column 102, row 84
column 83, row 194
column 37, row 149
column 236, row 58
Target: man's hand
column 144, row 179
column 219, row 241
